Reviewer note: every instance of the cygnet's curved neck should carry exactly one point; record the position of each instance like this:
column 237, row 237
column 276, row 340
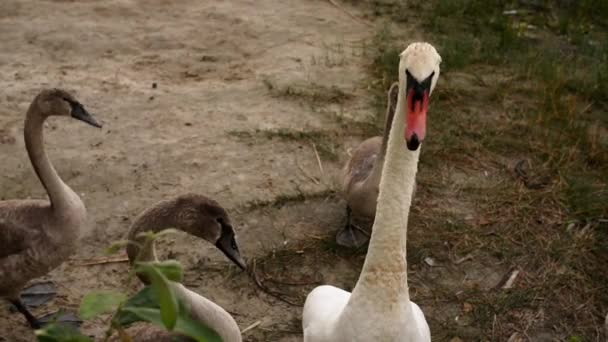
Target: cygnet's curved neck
column 384, row 274
column 60, row 195
column 376, row 173
column 210, row 314
column 154, row 219
column 162, row 216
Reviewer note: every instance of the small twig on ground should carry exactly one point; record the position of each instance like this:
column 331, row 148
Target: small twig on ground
column 493, row 327
column 252, row 326
column 314, row 147
column 316, row 237
column 463, row 259
column 586, row 108
column 313, row 179
column 104, row 261
column 265, row 289
column 511, row 280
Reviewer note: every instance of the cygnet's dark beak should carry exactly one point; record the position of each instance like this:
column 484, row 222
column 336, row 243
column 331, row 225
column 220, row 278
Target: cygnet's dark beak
column 79, row 113
column 227, row 244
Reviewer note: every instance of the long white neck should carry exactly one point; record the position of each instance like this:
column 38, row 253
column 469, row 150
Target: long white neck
column 61, row 196
column 383, row 278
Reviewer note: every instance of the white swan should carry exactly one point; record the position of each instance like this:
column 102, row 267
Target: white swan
column 379, row 308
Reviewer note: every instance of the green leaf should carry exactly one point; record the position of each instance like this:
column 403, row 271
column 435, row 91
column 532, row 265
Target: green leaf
column 149, row 235
column 116, row 246
column 96, row 303
column 60, row 333
column 166, row 232
column 187, row 326
column 143, row 299
column 184, row 324
column 163, row 292
column 171, row 269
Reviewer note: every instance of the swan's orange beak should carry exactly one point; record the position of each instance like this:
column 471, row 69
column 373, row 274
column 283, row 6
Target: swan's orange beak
column 415, row 117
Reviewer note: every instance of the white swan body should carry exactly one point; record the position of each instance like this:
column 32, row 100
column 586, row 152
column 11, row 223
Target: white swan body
column 379, row 308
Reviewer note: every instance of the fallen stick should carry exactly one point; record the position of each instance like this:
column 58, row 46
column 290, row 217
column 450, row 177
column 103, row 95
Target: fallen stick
column 314, row 147
column 252, row 326
column 265, row 289
column 313, row 179
column 463, row 259
column 509, row 283
column 104, row 261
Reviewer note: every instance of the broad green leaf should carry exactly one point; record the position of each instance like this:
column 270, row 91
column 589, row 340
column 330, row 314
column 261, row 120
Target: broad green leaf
column 171, row 269
column 184, row 324
column 187, row 326
column 96, row 303
column 60, row 333
column 163, row 292
column 143, row 299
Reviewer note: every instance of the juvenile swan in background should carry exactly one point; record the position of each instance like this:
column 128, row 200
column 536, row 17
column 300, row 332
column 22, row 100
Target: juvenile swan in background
column 379, row 308
column 36, row 236
column 205, row 219
column 362, row 179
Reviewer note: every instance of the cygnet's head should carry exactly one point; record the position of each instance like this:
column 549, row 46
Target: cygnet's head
column 206, row 219
column 61, row 103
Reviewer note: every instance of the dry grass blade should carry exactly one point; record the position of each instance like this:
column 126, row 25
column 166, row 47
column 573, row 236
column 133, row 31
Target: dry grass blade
column 509, row 283
column 313, row 179
column 251, row 327
column 314, row 147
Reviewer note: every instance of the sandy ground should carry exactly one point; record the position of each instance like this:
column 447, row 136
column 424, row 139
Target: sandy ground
column 212, row 63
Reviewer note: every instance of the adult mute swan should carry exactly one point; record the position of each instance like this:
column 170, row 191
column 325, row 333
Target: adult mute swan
column 379, row 308
column 200, row 217
column 36, row 236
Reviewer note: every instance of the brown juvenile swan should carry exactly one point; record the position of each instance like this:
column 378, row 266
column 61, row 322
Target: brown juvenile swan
column 362, row 179
column 36, row 236
column 203, row 218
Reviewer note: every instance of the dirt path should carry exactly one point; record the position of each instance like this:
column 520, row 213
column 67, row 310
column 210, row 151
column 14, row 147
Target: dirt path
column 188, row 92
column 254, row 103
